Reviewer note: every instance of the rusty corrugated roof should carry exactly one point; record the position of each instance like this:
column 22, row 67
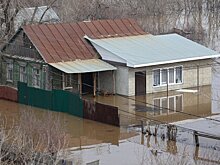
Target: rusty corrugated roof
column 64, row 41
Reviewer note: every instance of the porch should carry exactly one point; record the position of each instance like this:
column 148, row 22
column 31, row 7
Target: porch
column 84, row 76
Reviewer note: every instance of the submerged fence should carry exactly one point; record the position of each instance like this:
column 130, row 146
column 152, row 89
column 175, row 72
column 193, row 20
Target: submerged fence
column 55, row 100
column 100, row 112
column 8, row 93
column 68, row 102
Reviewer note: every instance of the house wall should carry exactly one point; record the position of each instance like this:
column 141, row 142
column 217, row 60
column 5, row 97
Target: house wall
column 189, row 76
column 106, row 82
column 16, row 72
column 122, row 77
column 21, row 46
column 215, row 87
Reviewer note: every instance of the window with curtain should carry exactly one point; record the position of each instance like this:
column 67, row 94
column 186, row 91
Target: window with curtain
column 36, row 77
column 23, row 74
column 179, row 74
column 164, row 76
column 156, row 77
column 171, row 75
column 9, row 71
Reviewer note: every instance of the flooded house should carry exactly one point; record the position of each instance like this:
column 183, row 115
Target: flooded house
column 155, row 63
column 108, row 56
column 58, row 56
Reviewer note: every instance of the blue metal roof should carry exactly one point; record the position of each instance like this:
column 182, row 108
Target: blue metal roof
column 147, row 50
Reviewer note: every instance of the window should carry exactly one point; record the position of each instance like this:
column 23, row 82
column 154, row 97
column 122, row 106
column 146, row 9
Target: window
column 68, row 80
column 179, row 74
column 9, row 71
column 171, row 75
column 36, row 77
column 164, row 76
column 156, row 77
column 23, row 74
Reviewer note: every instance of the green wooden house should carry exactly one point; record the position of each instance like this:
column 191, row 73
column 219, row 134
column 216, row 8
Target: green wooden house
column 58, row 56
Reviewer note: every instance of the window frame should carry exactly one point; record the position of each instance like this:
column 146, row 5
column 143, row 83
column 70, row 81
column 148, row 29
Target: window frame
column 9, row 68
column 34, row 83
column 168, row 76
column 67, row 80
column 159, row 77
column 181, row 75
column 23, row 74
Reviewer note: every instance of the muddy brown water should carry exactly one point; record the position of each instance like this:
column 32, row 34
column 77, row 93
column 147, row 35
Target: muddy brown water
column 82, row 132
column 177, row 106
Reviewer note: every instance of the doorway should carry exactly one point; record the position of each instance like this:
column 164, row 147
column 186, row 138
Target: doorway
column 87, row 83
column 140, row 83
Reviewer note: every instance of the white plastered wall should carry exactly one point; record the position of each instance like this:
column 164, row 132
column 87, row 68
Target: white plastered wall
column 189, row 76
column 121, row 80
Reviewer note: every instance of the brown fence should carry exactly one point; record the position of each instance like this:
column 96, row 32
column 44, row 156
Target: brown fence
column 100, row 112
column 8, row 93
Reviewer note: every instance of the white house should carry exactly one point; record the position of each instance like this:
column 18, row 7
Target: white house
column 148, row 63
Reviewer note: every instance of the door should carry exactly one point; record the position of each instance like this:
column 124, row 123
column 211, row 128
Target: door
column 87, row 83
column 140, row 83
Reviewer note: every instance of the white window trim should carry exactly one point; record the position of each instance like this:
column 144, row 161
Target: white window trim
column 12, row 68
column 69, row 77
column 33, row 74
column 24, row 73
column 168, row 104
column 167, row 68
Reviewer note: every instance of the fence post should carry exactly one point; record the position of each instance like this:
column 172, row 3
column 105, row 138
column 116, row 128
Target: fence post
column 168, row 132
column 195, row 133
column 142, row 127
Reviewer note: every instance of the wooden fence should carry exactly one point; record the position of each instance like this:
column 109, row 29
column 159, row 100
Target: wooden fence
column 8, row 93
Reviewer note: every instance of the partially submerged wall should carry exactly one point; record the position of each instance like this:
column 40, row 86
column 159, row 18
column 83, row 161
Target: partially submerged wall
column 122, row 78
column 100, row 112
column 190, row 72
column 106, row 82
column 216, row 87
column 8, row 93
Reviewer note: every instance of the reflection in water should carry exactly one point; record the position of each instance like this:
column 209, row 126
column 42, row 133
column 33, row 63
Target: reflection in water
column 178, row 106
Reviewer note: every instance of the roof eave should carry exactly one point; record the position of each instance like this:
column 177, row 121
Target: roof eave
column 175, row 61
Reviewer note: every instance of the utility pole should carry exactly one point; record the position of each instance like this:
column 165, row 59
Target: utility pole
column 197, row 78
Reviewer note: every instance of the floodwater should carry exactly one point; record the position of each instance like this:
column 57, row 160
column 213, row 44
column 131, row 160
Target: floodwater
column 176, row 106
column 86, row 133
column 81, row 131
column 165, row 108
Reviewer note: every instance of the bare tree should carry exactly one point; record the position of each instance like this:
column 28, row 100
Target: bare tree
column 32, row 139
